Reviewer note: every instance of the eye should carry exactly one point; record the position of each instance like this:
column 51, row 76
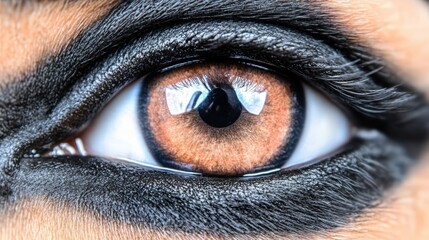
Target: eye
column 289, row 93
column 224, row 119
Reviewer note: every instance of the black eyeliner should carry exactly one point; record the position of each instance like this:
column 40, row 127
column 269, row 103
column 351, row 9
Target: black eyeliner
column 65, row 91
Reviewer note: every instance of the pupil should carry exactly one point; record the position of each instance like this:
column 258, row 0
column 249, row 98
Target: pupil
column 221, row 108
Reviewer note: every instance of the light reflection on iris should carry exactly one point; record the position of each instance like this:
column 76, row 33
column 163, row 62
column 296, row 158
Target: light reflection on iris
column 187, row 95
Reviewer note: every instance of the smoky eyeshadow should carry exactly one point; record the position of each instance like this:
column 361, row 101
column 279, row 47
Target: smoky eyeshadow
column 66, row 91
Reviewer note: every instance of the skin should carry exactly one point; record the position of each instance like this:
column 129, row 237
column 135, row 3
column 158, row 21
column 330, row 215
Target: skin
column 396, row 29
column 37, row 29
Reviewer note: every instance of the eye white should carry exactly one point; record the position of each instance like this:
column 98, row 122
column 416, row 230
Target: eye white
column 116, row 131
column 326, row 129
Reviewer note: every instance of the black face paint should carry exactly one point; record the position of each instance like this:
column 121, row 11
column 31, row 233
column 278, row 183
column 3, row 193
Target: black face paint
column 137, row 37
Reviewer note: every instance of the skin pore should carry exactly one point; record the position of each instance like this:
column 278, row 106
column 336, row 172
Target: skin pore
column 393, row 28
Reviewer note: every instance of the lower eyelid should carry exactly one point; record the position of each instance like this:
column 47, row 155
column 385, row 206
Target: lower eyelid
column 283, row 203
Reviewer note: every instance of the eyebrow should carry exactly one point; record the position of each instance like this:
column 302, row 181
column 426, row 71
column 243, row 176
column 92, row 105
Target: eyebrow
column 33, row 96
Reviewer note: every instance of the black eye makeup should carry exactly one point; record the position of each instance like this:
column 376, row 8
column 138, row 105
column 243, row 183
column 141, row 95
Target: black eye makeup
column 200, row 83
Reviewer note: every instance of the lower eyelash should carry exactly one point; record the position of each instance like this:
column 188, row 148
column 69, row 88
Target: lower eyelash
column 301, row 201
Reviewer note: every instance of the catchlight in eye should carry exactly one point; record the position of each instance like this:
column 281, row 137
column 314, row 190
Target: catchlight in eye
column 221, row 119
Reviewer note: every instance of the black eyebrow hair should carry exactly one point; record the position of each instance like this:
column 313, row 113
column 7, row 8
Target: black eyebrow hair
column 32, row 97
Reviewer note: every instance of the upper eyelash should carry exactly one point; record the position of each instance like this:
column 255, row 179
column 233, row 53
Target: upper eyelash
column 116, row 29
column 191, row 82
column 241, row 82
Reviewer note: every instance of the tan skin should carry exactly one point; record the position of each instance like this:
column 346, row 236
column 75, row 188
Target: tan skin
column 396, row 29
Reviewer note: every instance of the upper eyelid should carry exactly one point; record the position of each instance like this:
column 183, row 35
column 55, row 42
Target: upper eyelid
column 351, row 75
column 128, row 20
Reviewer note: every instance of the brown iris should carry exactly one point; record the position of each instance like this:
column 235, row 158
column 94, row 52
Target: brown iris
column 219, row 119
